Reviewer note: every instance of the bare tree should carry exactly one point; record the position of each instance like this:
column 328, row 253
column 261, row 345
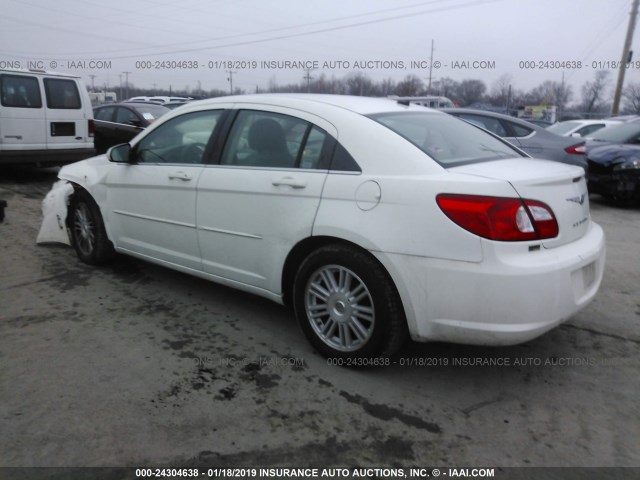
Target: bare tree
column 631, row 94
column 593, row 93
column 411, row 86
column 500, row 90
column 359, row 84
column 470, row 91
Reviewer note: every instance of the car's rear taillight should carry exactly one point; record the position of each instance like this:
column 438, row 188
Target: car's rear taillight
column 91, row 128
column 578, row 149
column 500, row 218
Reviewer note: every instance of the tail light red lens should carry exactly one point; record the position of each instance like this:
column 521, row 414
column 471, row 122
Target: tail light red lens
column 579, row 149
column 500, row 218
column 92, row 128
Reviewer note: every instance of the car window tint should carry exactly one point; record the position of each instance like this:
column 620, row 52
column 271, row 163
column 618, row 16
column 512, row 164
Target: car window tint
column 488, row 123
column 124, row 115
column 62, row 94
column 312, row 154
column 105, row 114
column 182, row 139
column 265, row 139
column 20, row 92
column 519, row 130
column 343, row 161
column 589, row 129
column 447, row 140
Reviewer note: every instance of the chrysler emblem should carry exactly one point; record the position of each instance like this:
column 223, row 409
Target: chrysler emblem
column 579, row 200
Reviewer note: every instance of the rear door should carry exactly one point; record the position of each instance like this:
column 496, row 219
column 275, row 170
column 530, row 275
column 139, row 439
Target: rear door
column 68, row 111
column 263, row 196
column 22, row 118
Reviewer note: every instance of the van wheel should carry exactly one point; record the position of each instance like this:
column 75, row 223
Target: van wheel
column 347, row 306
column 88, row 235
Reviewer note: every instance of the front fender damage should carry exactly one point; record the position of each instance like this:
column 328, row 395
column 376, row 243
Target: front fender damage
column 54, row 214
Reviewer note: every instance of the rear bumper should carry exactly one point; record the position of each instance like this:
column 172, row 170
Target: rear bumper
column 621, row 184
column 42, row 157
column 512, row 296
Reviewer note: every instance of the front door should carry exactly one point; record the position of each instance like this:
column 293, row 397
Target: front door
column 152, row 200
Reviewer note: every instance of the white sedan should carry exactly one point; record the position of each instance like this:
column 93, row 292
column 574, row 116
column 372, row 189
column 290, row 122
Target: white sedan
column 580, row 128
column 371, row 218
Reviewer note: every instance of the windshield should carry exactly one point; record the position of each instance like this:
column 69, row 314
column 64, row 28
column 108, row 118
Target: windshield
column 563, row 127
column 618, row 133
column 448, row 140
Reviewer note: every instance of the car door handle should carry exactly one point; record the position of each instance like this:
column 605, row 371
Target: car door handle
column 179, row 176
column 290, row 182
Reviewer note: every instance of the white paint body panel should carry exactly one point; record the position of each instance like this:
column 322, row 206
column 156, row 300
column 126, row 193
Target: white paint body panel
column 236, row 225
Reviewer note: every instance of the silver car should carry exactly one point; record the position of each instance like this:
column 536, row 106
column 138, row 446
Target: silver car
column 536, row 141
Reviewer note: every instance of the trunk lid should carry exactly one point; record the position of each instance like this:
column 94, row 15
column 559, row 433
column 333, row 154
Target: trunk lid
column 562, row 187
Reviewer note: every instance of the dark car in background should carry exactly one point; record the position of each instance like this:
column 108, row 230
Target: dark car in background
column 614, row 173
column 533, row 139
column 119, row 122
column 625, row 133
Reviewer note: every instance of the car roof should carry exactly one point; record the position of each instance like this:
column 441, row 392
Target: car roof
column 360, row 105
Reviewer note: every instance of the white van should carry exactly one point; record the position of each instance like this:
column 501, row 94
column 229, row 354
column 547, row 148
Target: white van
column 45, row 118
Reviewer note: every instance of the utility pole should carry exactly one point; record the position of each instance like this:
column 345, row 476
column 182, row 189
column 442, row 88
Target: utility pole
column 120, row 77
column 126, row 83
column 93, row 77
column 308, row 78
column 230, row 78
column 430, row 69
column 625, row 58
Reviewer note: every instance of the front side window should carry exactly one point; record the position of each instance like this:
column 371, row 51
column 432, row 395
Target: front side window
column 19, row 91
column 181, row 140
column 62, row 94
column 446, row 139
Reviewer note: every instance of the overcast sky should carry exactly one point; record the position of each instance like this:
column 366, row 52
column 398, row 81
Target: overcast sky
column 479, row 39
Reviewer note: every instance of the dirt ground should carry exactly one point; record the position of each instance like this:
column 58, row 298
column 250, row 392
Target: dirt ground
column 136, row 365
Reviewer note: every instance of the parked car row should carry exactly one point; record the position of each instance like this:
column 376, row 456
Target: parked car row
column 533, row 139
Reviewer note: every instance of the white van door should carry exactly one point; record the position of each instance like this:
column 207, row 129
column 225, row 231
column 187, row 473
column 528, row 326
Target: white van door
column 22, row 120
column 66, row 104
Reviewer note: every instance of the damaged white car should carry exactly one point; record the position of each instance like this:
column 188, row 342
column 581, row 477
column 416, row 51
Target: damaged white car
column 372, row 218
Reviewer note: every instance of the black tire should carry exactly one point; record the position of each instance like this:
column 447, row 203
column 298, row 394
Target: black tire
column 88, row 235
column 347, row 305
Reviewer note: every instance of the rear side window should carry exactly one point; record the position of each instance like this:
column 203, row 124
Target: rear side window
column 62, row 94
column 520, row 131
column 20, row 91
column 273, row 140
column 105, row 113
column 124, row 115
column 488, row 123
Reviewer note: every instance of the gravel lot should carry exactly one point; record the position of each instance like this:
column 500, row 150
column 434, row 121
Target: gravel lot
column 133, row 364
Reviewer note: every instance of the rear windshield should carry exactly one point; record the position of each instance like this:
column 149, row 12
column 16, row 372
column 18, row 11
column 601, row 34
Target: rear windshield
column 448, row 140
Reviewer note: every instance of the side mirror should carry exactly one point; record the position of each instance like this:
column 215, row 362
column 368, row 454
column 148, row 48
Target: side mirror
column 135, row 123
column 575, row 135
column 120, row 153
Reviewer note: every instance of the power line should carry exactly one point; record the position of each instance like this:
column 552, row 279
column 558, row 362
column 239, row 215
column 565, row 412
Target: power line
column 311, row 32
